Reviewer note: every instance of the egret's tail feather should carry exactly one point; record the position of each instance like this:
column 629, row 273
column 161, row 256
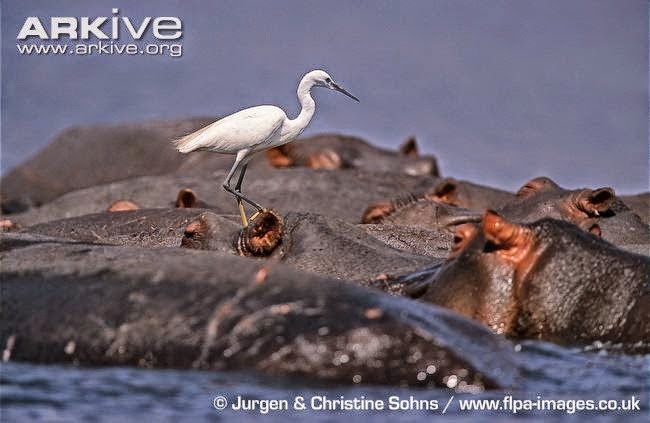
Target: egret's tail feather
column 189, row 142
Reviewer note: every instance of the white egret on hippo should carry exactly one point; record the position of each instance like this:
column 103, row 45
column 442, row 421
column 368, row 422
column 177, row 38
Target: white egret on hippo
column 256, row 129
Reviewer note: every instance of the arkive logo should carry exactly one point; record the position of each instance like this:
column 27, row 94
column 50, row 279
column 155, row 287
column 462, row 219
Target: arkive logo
column 104, row 35
column 85, row 28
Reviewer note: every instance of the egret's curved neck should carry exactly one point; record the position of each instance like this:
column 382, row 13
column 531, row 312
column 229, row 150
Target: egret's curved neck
column 307, row 103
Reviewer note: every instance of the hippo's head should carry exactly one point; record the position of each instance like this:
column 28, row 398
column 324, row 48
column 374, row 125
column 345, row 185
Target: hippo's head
column 593, row 210
column 548, row 279
column 478, row 279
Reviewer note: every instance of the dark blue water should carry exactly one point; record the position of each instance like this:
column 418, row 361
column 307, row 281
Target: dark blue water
column 64, row 393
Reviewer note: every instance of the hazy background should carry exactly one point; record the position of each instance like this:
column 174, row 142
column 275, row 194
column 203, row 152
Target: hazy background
column 499, row 91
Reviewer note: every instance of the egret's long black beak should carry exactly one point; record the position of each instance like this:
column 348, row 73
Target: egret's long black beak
column 340, row 89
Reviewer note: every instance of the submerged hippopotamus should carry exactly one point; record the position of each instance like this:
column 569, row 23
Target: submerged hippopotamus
column 588, row 208
column 308, row 242
column 70, row 302
column 329, row 151
column 342, row 194
column 548, row 280
column 150, row 228
column 468, row 195
column 418, row 212
column 86, row 156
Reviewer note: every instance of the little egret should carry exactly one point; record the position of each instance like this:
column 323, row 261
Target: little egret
column 256, row 129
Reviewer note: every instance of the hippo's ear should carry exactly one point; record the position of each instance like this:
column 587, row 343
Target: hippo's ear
column 325, row 159
column 445, row 191
column 186, row 199
column 409, row 148
column 595, row 202
column 536, row 185
column 376, row 212
column 280, row 156
column 513, row 241
column 462, row 236
column 262, row 236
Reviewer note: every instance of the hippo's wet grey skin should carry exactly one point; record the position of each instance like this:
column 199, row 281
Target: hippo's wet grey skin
column 425, row 242
column 419, row 212
column 309, row 242
column 639, row 204
column 542, row 198
column 139, row 228
column 468, row 195
column 343, row 194
column 182, row 308
column 85, row 156
column 548, row 280
column 331, row 151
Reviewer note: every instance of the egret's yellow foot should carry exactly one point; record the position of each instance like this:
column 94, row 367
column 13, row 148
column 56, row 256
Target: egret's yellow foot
column 242, row 213
column 254, row 215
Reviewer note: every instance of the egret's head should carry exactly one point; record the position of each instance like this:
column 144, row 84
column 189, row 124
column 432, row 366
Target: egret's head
column 321, row 78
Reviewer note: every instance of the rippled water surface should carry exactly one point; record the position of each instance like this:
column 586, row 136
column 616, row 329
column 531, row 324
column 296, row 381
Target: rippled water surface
column 65, row 393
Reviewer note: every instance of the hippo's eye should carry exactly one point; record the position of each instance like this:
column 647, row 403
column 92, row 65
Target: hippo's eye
column 464, row 233
column 459, row 243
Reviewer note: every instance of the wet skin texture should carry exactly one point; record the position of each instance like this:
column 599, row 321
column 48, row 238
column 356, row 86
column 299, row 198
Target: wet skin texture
column 169, row 307
column 86, row 156
column 547, row 280
column 308, row 242
column 342, row 194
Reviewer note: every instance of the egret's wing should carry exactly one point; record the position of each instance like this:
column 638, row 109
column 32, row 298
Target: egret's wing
column 245, row 129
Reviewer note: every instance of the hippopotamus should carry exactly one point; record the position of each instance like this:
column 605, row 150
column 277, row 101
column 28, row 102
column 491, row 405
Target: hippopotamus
column 152, row 228
column 169, row 307
column 330, row 151
column 588, row 208
column 342, row 194
column 468, row 195
column 547, row 280
column 308, row 242
column 418, row 212
column 85, row 156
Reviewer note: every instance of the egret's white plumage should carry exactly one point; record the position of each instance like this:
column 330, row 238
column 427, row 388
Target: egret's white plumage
column 249, row 128
column 256, row 129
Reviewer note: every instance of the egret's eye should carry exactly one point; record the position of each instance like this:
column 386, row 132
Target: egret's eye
column 328, row 80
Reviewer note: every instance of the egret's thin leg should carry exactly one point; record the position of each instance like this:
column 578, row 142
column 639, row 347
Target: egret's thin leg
column 241, row 177
column 226, row 184
column 240, row 205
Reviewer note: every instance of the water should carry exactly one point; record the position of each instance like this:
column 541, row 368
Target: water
column 33, row 392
